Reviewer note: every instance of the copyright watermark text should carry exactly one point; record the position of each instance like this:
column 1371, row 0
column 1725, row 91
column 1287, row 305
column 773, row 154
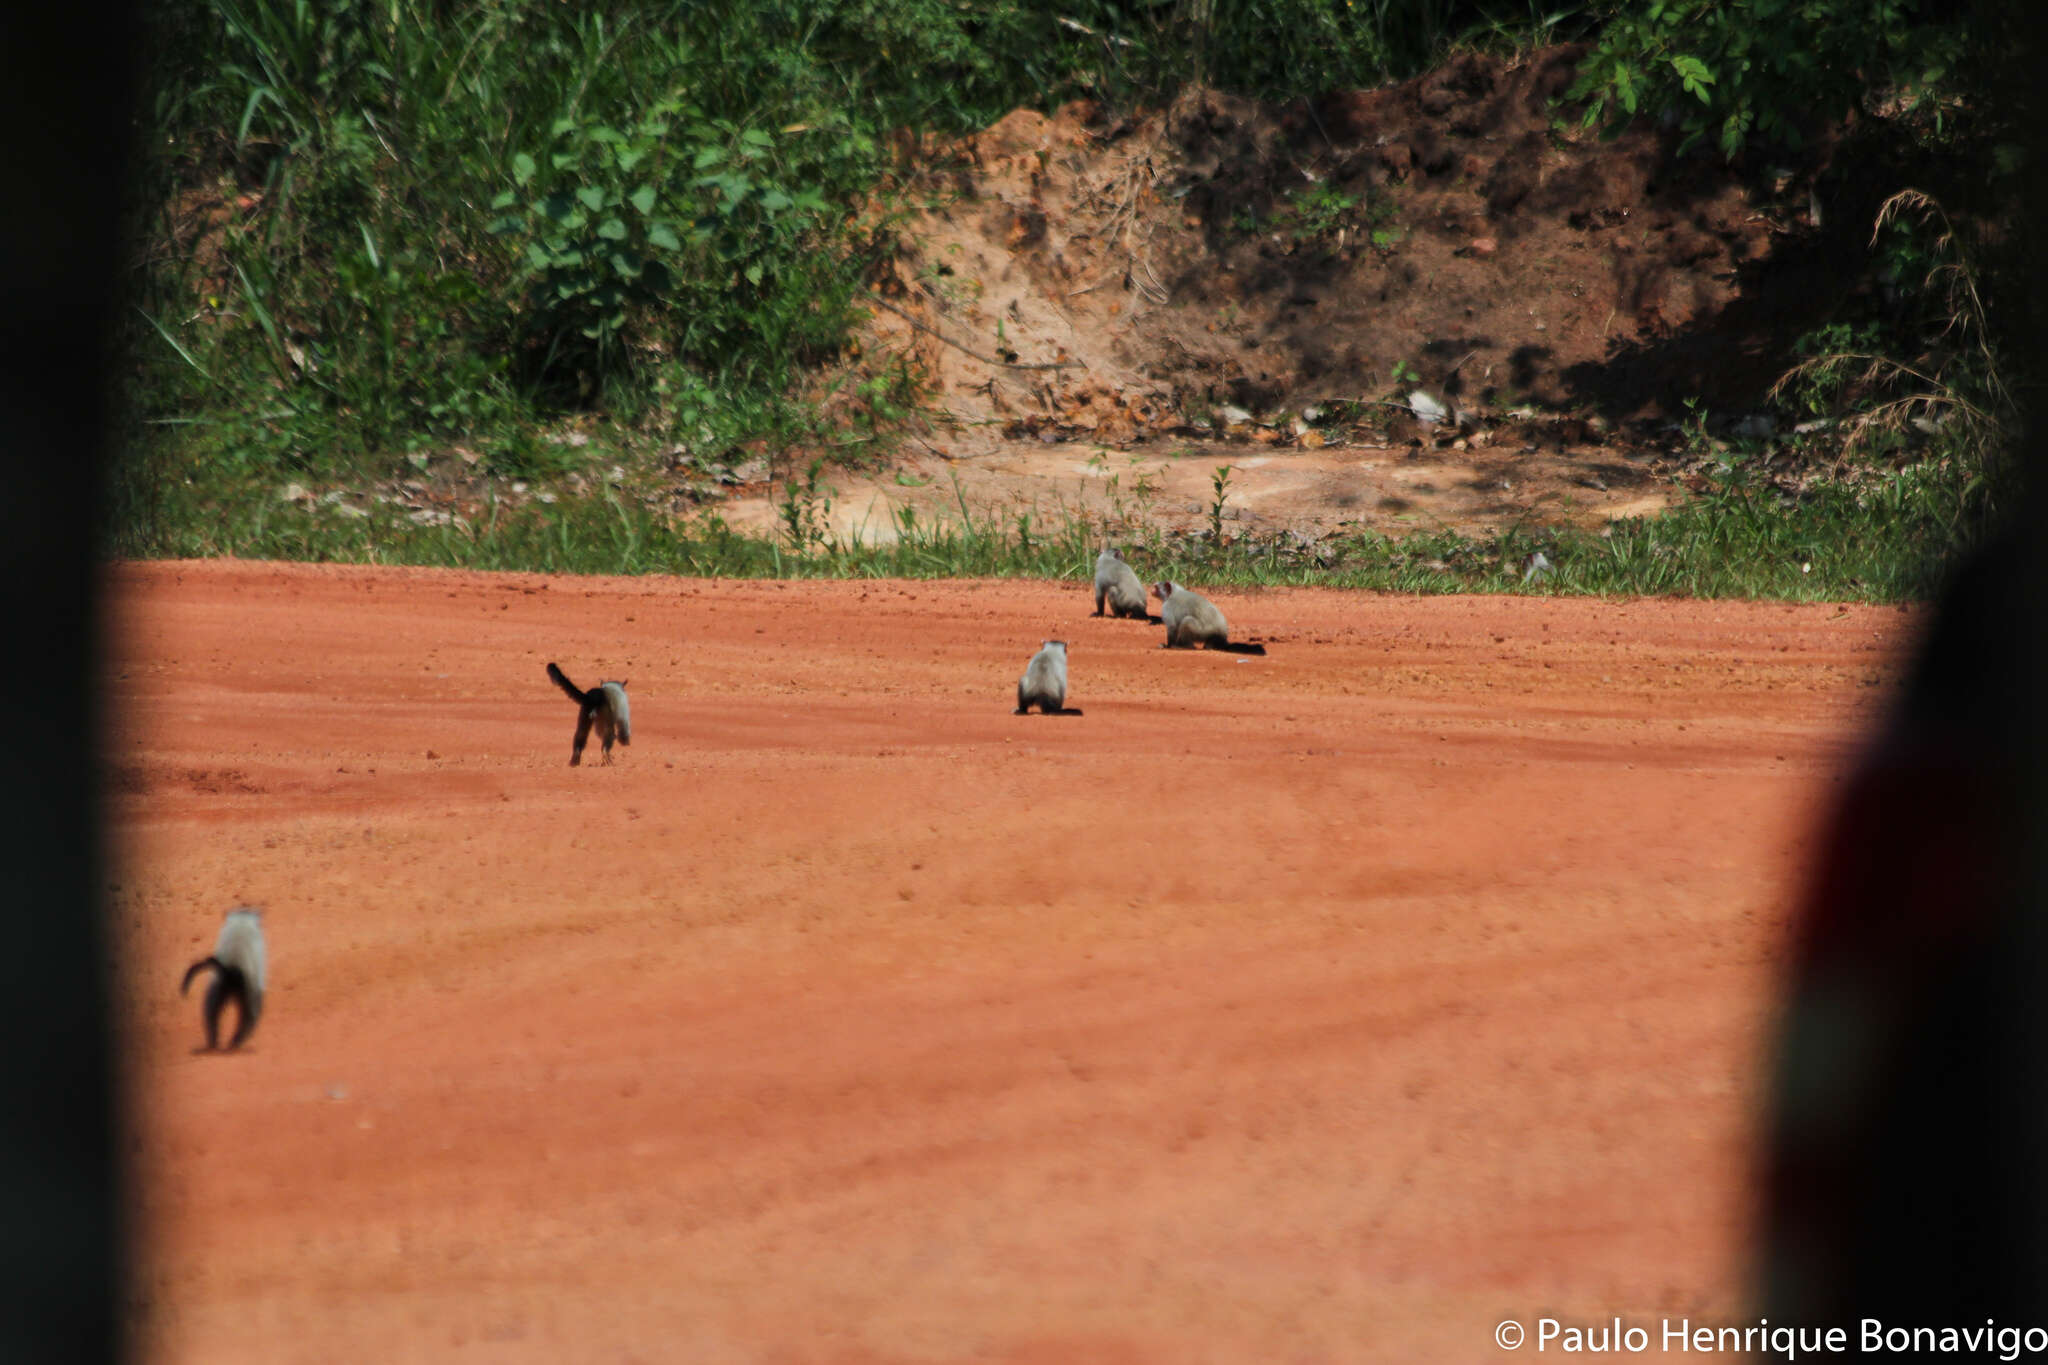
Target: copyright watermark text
column 1682, row 1336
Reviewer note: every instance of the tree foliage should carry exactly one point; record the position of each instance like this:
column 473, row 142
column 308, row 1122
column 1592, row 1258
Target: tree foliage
column 1730, row 70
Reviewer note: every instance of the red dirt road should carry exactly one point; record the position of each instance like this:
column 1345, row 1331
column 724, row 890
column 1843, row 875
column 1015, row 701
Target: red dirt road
column 1332, row 1006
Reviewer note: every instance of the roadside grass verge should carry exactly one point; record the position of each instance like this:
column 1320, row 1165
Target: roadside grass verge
column 1884, row 536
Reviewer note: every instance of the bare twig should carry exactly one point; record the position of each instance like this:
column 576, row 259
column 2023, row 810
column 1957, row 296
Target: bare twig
column 1077, row 26
column 1371, row 403
column 926, row 327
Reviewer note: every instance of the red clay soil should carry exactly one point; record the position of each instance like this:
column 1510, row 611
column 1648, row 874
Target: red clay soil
column 1335, row 1005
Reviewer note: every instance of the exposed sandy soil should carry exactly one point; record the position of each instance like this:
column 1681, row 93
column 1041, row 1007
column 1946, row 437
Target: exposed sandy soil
column 1271, row 285
column 1306, row 494
column 1138, row 270
column 1331, row 1006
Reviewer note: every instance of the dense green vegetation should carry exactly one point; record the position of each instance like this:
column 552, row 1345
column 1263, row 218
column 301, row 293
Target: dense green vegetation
column 368, row 229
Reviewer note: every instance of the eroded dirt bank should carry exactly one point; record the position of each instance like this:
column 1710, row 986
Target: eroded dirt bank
column 1330, row 1006
column 1093, row 311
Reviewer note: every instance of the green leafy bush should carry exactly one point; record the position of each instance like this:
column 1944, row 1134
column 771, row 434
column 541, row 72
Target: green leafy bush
column 1730, row 69
column 697, row 233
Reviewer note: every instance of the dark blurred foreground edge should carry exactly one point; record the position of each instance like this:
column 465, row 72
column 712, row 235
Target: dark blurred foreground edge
column 1903, row 1172
column 1904, row 1165
column 67, row 104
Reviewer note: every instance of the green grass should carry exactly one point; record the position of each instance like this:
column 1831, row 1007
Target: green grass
column 1885, row 538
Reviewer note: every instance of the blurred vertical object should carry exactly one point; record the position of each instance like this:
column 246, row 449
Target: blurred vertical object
column 69, row 101
column 1905, row 1163
column 1903, row 1176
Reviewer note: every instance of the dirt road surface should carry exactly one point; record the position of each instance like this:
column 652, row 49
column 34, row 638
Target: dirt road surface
column 1330, row 1006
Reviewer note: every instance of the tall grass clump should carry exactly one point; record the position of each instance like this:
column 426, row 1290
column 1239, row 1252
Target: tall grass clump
column 1930, row 397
